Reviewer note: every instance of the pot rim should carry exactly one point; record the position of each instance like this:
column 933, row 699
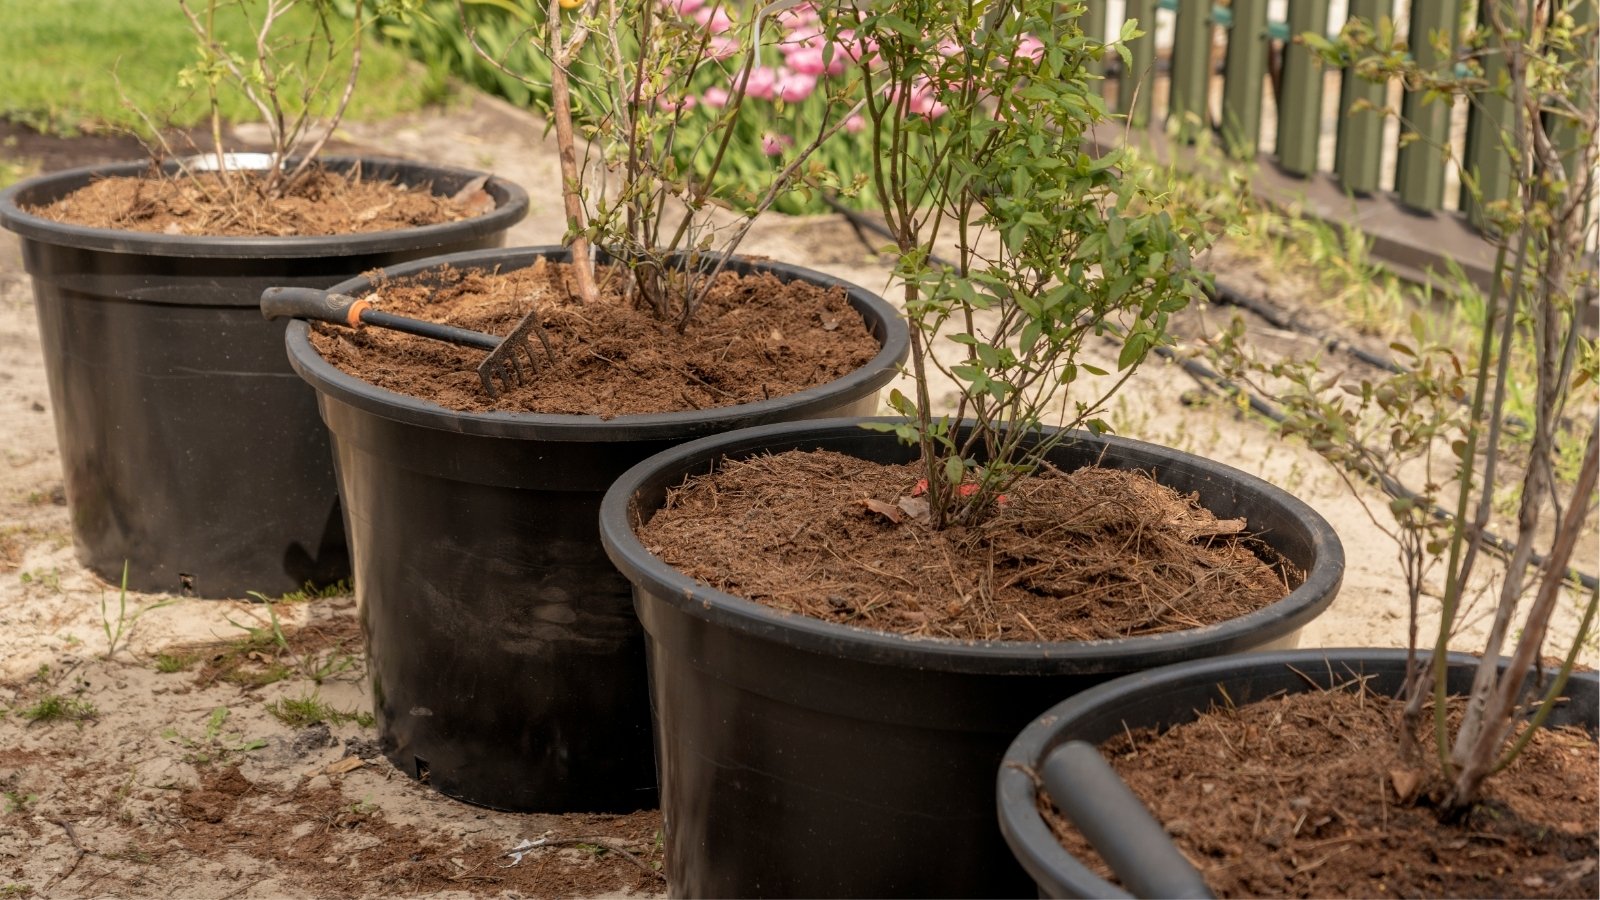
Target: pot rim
column 510, row 208
column 655, row 578
column 1032, row 842
column 881, row 319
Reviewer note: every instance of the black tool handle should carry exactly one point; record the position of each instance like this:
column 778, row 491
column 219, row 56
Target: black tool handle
column 343, row 309
column 307, row 303
column 1095, row 799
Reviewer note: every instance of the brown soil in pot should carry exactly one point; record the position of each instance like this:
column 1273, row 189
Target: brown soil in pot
column 322, row 203
column 754, row 338
column 1307, row 795
column 1095, row 553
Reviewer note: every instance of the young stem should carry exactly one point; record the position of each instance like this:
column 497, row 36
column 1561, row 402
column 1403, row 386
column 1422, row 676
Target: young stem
column 566, row 148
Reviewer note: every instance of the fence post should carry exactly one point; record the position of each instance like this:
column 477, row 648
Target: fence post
column 1243, row 72
column 1300, row 97
column 1564, row 136
column 1359, row 150
column 1419, row 169
column 1191, row 68
column 1093, row 24
column 1137, row 82
column 1486, row 159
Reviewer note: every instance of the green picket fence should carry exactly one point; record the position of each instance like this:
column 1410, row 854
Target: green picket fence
column 1256, row 46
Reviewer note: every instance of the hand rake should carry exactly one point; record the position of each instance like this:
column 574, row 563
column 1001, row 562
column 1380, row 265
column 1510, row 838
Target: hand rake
column 505, row 360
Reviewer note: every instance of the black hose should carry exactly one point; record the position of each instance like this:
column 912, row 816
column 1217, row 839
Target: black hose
column 1091, row 795
column 1224, row 293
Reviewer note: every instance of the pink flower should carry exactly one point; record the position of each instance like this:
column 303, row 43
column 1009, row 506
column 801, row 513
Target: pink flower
column 1031, row 47
column 722, row 46
column 807, row 61
column 861, row 49
column 684, row 103
column 802, row 14
column 714, row 20
column 923, row 101
column 792, row 87
column 775, row 144
column 854, row 124
column 948, row 48
column 762, row 80
column 715, row 97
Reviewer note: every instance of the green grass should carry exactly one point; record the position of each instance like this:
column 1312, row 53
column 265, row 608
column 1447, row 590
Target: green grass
column 310, row 592
column 167, row 663
column 311, row 709
column 55, row 708
column 12, row 172
column 60, row 63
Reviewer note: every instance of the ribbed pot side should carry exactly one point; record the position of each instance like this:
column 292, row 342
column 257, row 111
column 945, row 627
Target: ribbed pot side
column 805, row 758
column 506, row 661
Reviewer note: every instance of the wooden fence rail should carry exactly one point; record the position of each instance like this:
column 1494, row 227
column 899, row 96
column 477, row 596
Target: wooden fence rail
column 1264, row 67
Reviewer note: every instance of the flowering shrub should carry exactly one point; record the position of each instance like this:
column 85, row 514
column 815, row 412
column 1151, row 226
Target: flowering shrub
column 979, row 119
column 801, row 71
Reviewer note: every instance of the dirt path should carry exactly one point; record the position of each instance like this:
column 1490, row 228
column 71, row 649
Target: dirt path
column 184, row 783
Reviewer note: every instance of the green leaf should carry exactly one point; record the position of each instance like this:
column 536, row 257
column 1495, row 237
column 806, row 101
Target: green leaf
column 902, row 404
column 1133, row 351
column 955, row 471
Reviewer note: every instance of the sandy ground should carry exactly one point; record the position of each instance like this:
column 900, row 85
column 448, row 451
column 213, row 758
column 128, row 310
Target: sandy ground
column 141, row 798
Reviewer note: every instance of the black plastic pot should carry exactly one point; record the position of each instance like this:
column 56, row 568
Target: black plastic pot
column 804, row 758
column 507, row 665
column 189, row 448
column 1175, row 694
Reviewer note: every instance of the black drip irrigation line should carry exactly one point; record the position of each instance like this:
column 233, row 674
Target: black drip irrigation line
column 1226, row 294
column 1202, row 373
column 861, row 223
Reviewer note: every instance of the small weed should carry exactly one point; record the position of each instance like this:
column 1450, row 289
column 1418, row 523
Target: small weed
column 259, row 678
column 311, row 709
column 17, row 802
column 125, row 621
column 214, row 743
column 315, row 666
column 310, row 592
column 55, row 708
column 43, row 674
column 168, row 663
column 46, row 579
column 269, row 652
column 16, row 890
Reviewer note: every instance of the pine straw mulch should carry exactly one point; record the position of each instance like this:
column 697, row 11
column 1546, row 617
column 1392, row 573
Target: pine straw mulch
column 324, row 202
column 1094, row 553
column 1307, row 795
column 753, row 338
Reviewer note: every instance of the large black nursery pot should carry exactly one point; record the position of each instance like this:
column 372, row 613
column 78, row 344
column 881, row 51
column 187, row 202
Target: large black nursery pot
column 1169, row 696
column 507, row 665
column 804, row 758
column 189, row 448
